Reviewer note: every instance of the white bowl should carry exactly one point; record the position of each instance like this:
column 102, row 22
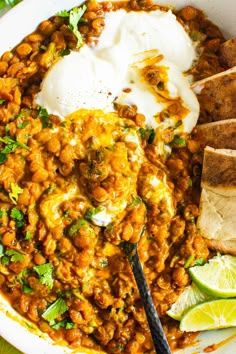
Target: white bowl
column 16, row 24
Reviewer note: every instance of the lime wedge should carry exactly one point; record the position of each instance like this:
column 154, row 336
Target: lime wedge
column 215, row 314
column 189, row 297
column 6, row 348
column 217, row 277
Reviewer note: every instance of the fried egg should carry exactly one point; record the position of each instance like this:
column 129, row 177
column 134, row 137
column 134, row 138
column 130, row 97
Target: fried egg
column 95, row 77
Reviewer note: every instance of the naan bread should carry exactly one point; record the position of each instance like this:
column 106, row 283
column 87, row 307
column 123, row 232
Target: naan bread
column 217, row 220
column 218, row 135
column 216, row 95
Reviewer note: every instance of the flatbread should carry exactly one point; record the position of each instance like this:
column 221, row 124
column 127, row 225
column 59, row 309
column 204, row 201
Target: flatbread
column 217, row 95
column 218, row 135
column 217, row 220
column 227, row 53
column 219, row 171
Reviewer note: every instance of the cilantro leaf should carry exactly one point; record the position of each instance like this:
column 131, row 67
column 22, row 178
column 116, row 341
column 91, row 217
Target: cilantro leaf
column 135, row 201
column 45, row 274
column 76, row 225
column 3, row 158
column 1, row 101
column 28, row 235
column 15, row 256
column 147, row 134
column 74, row 18
column 45, row 118
column 15, row 191
column 178, row 141
column 56, row 309
column 63, row 13
column 18, row 216
column 64, row 323
column 10, row 146
column 23, row 124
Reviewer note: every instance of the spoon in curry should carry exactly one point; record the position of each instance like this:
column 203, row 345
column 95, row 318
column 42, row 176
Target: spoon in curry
column 158, row 336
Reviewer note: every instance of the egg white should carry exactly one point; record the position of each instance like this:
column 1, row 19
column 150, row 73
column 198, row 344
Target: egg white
column 94, row 77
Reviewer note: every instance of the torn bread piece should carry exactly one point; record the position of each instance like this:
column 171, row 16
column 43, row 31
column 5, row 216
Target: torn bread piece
column 219, row 171
column 227, row 53
column 227, row 246
column 218, row 135
column 217, row 221
column 217, row 95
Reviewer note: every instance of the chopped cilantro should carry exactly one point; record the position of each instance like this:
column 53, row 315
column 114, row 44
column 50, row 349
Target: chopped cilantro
column 23, row 125
column 14, row 255
column 63, row 13
column 28, row 235
column 64, row 52
column 7, row 127
column 3, row 158
column 24, row 113
column 147, row 134
column 64, row 323
column 15, row 191
column 76, row 225
column 18, row 216
column 189, row 261
column 10, row 146
column 199, row 262
column 178, row 141
column 44, row 116
column 135, row 201
column 26, row 289
column 45, row 274
column 5, row 260
column 92, row 211
column 74, row 18
column 1, row 102
column 56, row 309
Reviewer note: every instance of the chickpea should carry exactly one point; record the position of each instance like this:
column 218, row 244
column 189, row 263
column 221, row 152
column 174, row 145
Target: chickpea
column 39, row 259
column 9, row 238
column 23, row 50
column 3, row 67
column 188, row 13
column 100, row 194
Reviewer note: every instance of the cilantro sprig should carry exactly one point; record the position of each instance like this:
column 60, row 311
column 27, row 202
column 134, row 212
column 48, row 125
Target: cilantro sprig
column 45, row 274
column 74, row 18
column 18, row 216
column 10, row 145
column 56, row 309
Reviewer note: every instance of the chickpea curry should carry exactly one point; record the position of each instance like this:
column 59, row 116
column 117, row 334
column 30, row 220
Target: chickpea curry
column 71, row 191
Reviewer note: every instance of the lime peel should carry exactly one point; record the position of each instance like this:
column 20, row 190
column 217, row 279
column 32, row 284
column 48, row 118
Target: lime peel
column 190, row 297
column 214, row 314
column 217, row 277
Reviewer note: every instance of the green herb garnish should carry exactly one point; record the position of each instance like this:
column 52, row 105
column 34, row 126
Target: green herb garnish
column 45, row 274
column 45, row 118
column 14, row 256
column 18, row 216
column 56, row 309
column 74, row 19
column 23, row 125
column 15, row 191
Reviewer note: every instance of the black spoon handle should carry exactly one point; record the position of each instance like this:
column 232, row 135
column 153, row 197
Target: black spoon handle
column 158, row 336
